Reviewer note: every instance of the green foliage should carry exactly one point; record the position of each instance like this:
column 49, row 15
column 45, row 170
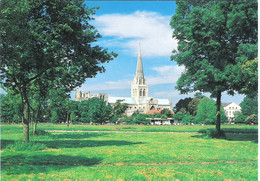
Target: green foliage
column 57, row 103
column 11, row 108
column 22, row 146
column 119, row 108
column 199, row 95
column 239, row 117
column 98, row 111
column 94, row 110
column 127, row 120
column 251, row 119
column 249, row 105
column 141, row 119
column 83, row 111
column 158, row 115
column 207, row 112
column 47, row 45
column 182, row 103
column 213, row 40
column 208, row 35
column 249, row 113
column 187, row 119
column 166, row 113
column 192, row 106
column 179, row 116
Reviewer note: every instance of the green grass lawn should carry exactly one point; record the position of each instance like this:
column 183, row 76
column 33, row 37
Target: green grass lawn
column 138, row 128
column 132, row 156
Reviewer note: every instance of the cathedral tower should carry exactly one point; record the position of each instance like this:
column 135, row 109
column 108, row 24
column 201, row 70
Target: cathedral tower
column 139, row 89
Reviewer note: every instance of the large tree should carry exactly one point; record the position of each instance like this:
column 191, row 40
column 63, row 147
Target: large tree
column 47, row 41
column 214, row 37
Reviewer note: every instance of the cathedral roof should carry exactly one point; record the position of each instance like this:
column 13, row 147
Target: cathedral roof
column 127, row 100
column 160, row 101
column 131, row 100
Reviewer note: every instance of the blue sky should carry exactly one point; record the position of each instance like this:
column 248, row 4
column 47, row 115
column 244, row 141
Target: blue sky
column 125, row 24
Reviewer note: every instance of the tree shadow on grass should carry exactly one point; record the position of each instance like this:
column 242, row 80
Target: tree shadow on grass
column 85, row 143
column 5, row 143
column 230, row 135
column 77, row 135
column 21, row 164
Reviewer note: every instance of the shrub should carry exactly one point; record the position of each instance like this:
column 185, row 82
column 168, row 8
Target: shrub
column 239, row 117
column 187, row 119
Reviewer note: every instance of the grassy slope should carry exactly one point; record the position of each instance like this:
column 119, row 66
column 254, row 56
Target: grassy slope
column 123, row 156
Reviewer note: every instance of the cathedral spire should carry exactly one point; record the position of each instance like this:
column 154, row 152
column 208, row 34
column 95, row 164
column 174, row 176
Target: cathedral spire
column 139, row 68
column 139, row 89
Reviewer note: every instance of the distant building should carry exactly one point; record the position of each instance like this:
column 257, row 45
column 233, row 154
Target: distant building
column 139, row 100
column 230, row 109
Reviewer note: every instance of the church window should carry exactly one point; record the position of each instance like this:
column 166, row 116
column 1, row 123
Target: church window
column 141, row 92
column 144, row 92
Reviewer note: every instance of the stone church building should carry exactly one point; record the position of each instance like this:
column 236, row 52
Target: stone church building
column 139, row 100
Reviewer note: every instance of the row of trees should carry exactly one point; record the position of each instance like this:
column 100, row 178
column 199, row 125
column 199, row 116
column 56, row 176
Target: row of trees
column 58, row 108
column 197, row 110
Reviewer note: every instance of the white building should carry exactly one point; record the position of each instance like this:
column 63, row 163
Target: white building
column 139, row 100
column 230, row 109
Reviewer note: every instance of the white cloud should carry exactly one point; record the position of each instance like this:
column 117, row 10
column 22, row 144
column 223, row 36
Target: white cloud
column 109, row 85
column 165, row 75
column 150, row 29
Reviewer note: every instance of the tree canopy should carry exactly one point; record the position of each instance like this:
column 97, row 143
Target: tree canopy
column 214, row 37
column 48, row 41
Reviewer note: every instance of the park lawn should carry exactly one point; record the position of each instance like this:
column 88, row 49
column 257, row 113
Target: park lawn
column 131, row 156
column 137, row 128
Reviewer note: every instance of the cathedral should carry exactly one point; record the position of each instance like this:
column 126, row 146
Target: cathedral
column 139, row 100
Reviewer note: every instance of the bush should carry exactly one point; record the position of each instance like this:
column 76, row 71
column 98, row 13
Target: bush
column 141, row 119
column 239, row 117
column 251, row 119
column 115, row 119
column 127, row 120
column 179, row 116
column 187, row 119
column 22, row 146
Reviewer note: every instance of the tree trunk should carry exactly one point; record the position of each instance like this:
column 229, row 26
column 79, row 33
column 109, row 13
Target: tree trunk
column 68, row 114
column 218, row 113
column 26, row 123
column 35, row 128
column 36, row 118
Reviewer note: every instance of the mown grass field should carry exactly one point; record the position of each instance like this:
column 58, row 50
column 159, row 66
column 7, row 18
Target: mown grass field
column 132, row 156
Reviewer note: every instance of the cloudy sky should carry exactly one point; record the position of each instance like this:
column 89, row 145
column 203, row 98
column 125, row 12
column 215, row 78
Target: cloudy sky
column 125, row 25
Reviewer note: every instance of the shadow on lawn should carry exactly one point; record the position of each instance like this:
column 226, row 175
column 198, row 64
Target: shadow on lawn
column 21, row 164
column 77, row 135
column 5, row 143
column 231, row 135
column 85, row 143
